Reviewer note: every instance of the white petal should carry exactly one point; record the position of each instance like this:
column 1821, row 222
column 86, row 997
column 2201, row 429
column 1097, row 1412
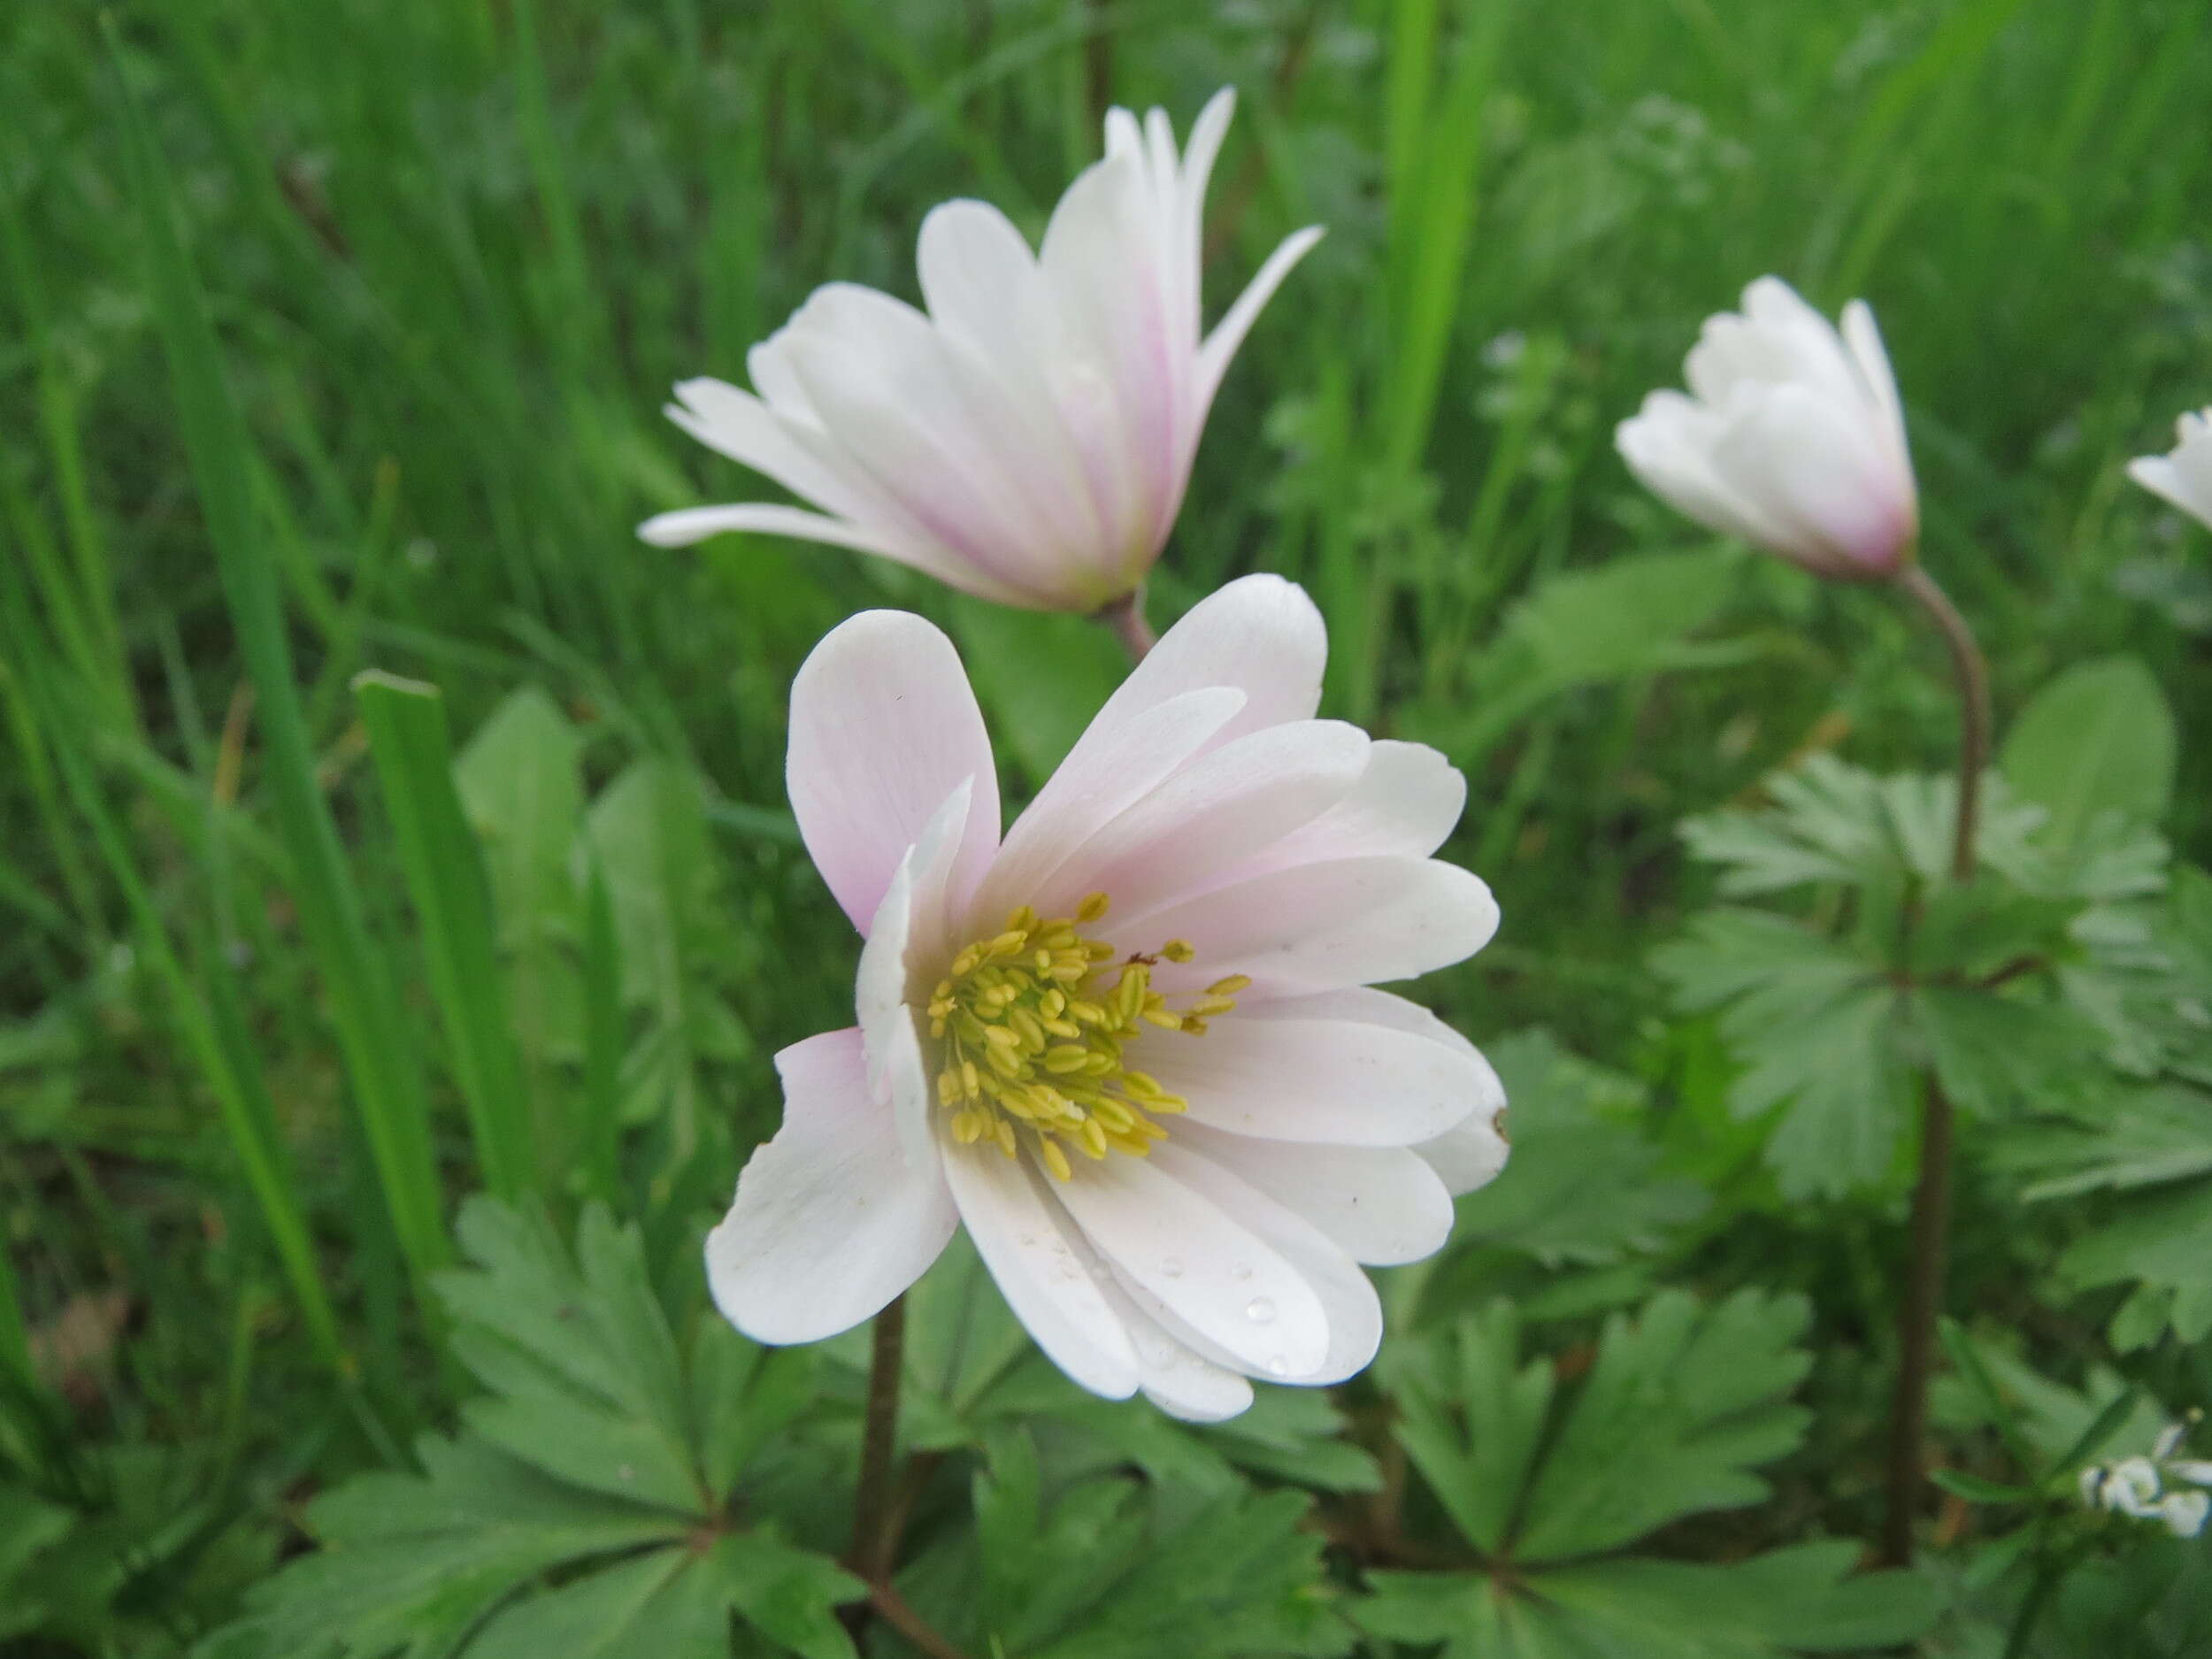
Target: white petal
column 884, row 726
column 1228, row 334
column 1405, row 804
column 1095, row 784
column 1210, row 819
column 1172, row 1375
column 1032, row 1250
column 1669, row 447
column 1348, row 1303
column 1260, row 633
column 1353, row 921
column 1470, row 1154
column 1863, row 338
column 1333, row 1081
column 1211, row 1271
column 906, row 939
column 831, row 1220
column 1381, row 1205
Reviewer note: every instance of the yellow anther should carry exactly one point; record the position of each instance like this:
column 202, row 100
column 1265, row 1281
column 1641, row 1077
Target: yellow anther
column 1034, row 1021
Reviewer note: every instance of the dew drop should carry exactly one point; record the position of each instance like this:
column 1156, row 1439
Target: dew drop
column 1028, row 1239
column 1242, row 1270
column 1172, row 1267
column 1260, row 1310
column 1278, row 1366
column 1069, row 1270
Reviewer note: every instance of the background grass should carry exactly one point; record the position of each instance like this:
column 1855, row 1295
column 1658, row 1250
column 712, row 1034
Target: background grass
column 399, row 413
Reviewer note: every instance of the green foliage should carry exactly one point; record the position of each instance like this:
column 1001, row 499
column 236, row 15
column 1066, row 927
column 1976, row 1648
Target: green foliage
column 1896, row 971
column 594, row 1503
column 1548, row 1480
column 1109, row 1567
column 2098, row 738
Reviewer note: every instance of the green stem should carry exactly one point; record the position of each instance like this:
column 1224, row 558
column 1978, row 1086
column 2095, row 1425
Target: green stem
column 1930, row 1222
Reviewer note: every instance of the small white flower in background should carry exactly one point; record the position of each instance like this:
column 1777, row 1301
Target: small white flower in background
column 2182, row 475
column 2161, row 1488
column 1131, row 1046
column 1029, row 438
column 1792, row 437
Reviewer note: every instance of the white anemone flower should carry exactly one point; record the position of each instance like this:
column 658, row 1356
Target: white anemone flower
column 2142, row 1486
column 1132, row 1046
column 2183, row 474
column 1028, row 440
column 1792, row 437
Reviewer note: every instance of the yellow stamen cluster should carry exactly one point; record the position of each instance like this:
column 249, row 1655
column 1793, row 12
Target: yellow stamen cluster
column 1034, row 1023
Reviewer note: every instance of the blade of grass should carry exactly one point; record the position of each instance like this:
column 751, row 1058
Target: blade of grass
column 1431, row 227
column 373, row 1034
column 444, row 870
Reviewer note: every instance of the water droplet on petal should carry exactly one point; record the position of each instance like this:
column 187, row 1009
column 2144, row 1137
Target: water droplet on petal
column 1242, row 1270
column 1172, row 1267
column 1028, row 1239
column 1260, row 1310
column 1069, row 1270
column 1278, row 1366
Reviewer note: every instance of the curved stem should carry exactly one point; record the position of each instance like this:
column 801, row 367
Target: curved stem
column 1973, row 674
column 873, row 1544
column 1125, row 617
column 1923, row 1303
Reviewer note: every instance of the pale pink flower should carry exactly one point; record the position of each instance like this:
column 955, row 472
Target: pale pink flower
column 1029, row 438
column 2183, row 474
column 1131, row 1046
column 1792, row 438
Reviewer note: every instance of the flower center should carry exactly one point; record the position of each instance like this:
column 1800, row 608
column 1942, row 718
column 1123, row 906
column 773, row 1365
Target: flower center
column 1035, row 1023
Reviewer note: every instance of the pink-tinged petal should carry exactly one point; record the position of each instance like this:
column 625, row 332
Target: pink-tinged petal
column 1213, row 1273
column 1228, row 334
column 1094, row 785
column 1471, row 1152
column 1380, row 1205
column 1260, row 633
column 1032, row 1250
column 1342, row 1082
column 1213, row 817
column 1405, row 804
column 738, row 425
column 1350, row 1310
column 1827, row 481
column 884, row 726
column 1355, row 921
column 909, row 925
column 831, row 1219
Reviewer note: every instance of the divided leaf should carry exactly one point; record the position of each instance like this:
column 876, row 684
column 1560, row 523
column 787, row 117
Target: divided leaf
column 1113, row 1568
column 1680, row 1406
column 588, row 1508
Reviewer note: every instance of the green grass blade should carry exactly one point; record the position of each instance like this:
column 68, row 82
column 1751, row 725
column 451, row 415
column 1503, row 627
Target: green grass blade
column 444, row 870
column 1430, row 235
column 374, row 1036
